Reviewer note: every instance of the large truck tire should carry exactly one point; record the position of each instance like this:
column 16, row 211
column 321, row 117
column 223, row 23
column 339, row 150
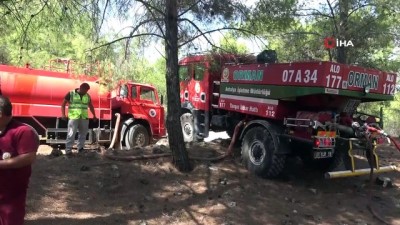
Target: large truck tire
column 187, row 123
column 137, row 136
column 259, row 152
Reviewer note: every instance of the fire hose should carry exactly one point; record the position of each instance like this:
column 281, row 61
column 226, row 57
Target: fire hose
column 368, row 130
column 152, row 156
column 114, row 137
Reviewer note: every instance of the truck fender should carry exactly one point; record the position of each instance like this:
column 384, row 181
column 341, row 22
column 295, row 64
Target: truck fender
column 188, row 105
column 283, row 144
column 124, row 128
column 146, row 119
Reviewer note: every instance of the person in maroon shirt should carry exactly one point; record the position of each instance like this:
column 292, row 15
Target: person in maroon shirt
column 18, row 146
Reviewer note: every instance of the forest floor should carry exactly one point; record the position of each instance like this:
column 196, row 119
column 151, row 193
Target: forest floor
column 89, row 189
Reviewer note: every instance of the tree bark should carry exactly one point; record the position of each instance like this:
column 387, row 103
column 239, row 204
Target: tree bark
column 175, row 136
column 343, row 28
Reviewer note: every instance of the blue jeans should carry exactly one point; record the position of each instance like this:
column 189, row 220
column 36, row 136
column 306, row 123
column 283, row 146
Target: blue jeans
column 80, row 125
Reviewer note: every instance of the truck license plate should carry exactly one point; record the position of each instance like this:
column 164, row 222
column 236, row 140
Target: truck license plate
column 321, row 154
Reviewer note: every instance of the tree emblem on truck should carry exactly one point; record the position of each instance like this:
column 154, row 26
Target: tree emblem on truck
column 152, row 113
column 225, row 75
column 197, row 87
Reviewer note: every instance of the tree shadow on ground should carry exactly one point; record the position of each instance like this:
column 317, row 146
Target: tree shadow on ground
column 89, row 190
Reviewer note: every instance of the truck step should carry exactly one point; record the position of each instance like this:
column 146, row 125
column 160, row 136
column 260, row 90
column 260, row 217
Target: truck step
column 216, row 94
column 215, row 106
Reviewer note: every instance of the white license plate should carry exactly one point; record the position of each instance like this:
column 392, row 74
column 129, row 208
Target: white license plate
column 321, row 154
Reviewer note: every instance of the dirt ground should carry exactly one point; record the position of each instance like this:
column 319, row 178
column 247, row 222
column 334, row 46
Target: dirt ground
column 88, row 189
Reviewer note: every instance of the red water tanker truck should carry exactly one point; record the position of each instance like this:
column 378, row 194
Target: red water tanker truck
column 37, row 94
column 305, row 109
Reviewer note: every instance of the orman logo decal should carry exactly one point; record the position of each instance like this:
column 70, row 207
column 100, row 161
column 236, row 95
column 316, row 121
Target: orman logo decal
column 225, row 75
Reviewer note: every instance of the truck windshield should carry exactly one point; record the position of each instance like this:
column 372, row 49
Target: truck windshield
column 199, row 72
column 147, row 94
column 184, row 73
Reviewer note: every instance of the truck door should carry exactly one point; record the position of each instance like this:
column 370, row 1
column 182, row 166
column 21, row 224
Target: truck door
column 151, row 107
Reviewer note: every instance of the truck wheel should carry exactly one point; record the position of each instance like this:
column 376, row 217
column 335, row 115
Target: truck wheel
column 187, row 123
column 125, row 130
column 259, row 149
column 137, row 136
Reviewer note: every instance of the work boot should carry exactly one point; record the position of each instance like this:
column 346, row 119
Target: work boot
column 81, row 150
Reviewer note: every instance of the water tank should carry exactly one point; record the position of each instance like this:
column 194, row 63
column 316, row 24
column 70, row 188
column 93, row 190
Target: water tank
column 41, row 92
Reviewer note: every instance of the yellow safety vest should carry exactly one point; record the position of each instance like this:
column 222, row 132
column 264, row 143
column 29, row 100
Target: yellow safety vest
column 78, row 108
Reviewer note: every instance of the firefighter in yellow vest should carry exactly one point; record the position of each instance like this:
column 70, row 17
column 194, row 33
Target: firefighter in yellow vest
column 78, row 103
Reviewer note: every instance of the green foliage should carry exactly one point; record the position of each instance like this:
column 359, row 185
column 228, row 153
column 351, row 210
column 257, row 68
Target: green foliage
column 391, row 112
column 137, row 70
column 391, row 117
column 302, row 43
column 230, row 44
column 36, row 32
column 371, row 26
column 3, row 55
column 271, row 16
column 209, row 11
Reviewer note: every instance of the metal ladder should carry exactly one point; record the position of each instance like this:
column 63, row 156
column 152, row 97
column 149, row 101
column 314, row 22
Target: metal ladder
column 215, row 95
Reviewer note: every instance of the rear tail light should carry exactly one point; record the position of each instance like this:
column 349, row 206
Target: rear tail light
column 324, row 142
column 317, row 142
column 327, row 142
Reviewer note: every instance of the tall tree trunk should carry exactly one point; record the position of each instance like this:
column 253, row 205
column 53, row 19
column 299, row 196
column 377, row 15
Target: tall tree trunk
column 175, row 136
column 343, row 28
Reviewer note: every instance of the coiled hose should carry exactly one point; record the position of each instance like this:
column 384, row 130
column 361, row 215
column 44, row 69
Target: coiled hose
column 371, row 160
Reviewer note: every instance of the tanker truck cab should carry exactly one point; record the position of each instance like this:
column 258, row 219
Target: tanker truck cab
column 195, row 99
column 199, row 77
column 142, row 114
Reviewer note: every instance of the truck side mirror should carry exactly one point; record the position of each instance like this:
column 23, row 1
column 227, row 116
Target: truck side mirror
column 162, row 99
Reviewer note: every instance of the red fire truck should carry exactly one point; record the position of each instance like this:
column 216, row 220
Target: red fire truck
column 307, row 109
column 37, row 95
